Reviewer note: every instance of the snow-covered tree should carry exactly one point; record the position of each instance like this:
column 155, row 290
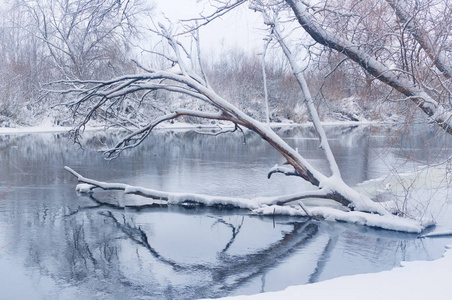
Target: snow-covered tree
column 84, row 39
column 187, row 77
column 403, row 44
column 42, row 41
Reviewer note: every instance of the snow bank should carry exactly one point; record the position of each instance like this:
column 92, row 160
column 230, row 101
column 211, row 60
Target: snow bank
column 413, row 280
column 48, row 126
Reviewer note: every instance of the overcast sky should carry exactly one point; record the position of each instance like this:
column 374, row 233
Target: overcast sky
column 2, row 4
column 241, row 27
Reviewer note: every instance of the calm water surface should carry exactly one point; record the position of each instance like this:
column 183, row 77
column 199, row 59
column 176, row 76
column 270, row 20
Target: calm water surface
column 55, row 244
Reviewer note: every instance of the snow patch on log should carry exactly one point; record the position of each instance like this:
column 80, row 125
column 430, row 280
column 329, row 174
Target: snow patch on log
column 85, row 188
column 334, row 184
column 389, row 222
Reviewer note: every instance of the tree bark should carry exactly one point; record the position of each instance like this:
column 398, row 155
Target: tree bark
column 440, row 115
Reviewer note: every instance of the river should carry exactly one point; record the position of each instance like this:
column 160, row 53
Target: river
column 56, row 244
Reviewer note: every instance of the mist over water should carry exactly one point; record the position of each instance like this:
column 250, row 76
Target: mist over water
column 55, row 244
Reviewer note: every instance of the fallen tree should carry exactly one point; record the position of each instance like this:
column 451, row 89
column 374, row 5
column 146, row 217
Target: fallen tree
column 187, row 77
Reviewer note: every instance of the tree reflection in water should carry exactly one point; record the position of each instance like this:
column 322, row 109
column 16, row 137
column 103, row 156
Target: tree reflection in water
column 217, row 277
column 72, row 247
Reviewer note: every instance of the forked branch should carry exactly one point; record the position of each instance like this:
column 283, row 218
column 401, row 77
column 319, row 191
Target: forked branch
column 184, row 80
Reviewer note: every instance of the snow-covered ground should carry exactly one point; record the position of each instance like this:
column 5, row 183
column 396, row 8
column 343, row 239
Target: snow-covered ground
column 414, row 280
column 431, row 195
column 49, row 127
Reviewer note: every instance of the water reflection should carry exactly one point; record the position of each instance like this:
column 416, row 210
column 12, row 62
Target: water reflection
column 57, row 245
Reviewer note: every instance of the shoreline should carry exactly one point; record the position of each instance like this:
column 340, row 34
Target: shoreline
column 178, row 126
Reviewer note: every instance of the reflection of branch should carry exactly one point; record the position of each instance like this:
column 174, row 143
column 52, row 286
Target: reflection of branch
column 323, row 259
column 100, row 204
column 80, row 209
column 235, row 232
column 137, row 235
column 259, row 263
column 229, row 271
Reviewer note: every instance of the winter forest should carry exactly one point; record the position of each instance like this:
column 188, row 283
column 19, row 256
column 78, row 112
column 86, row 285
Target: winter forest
column 48, row 41
column 337, row 124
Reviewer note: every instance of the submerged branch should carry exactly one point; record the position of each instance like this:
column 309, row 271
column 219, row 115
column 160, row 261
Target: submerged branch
column 262, row 205
column 192, row 198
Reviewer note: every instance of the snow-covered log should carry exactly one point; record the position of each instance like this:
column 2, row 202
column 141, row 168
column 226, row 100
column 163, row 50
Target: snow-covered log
column 87, row 185
column 183, row 79
column 260, row 205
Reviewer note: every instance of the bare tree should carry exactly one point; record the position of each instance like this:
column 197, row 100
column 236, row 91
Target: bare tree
column 83, row 38
column 400, row 55
column 94, row 95
column 41, row 41
column 20, row 68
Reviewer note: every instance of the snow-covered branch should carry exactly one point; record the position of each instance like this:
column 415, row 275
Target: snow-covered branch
column 436, row 111
column 437, row 55
column 261, row 205
column 286, row 170
column 192, row 198
column 298, row 73
column 183, row 79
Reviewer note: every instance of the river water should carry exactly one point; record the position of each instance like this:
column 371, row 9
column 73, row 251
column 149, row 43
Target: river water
column 55, row 244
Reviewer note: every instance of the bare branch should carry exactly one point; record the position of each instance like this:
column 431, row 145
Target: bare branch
column 432, row 108
column 298, row 73
column 136, row 138
column 286, row 170
column 436, row 54
column 204, row 20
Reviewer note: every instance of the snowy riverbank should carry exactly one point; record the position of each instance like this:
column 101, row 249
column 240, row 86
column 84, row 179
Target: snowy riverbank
column 414, row 280
column 48, row 127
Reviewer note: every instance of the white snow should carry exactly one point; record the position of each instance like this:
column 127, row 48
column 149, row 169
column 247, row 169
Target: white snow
column 389, row 222
column 413, row 280
column 46, row 127
column 84, row 188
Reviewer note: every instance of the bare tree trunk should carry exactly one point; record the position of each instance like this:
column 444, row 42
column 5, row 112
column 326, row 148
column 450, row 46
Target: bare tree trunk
column 436, row 54
column 182, row 78
column 439, row 114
